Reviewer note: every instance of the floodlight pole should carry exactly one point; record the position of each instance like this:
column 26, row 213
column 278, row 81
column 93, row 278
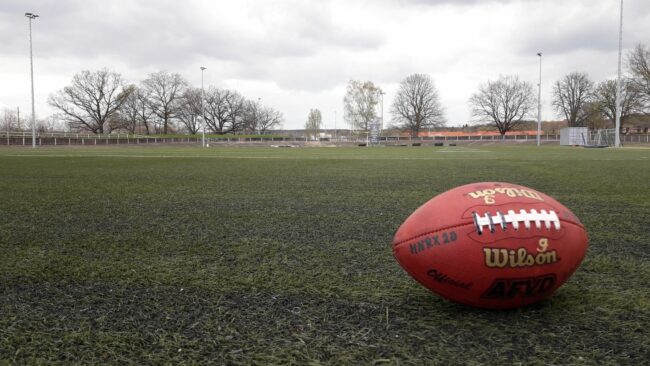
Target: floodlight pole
column 381, row 92
column 617, row 138
column 539, row 103
column 335, row 135
column 259, row 128
column 31, row 16
column 202, row 98
column 381, row 126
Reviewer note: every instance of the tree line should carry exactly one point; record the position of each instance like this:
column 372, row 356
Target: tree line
column 101, row 101
column 505, row 103
column 508, row 102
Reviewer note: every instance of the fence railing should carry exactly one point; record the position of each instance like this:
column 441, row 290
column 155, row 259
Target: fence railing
column 116, row 139
column 43, row 134
column 93, row 140
column 640, row 139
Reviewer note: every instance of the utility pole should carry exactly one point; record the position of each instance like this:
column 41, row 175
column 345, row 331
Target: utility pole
column 202, row 98
column 381, row 128
column 617, row 141
column 257, row 116
column 335, row 126
column 539, row 103
column 31, row 16
column 382, row 109
column 7, row 124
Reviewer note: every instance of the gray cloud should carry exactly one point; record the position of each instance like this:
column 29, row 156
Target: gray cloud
column 584, row 28
column 166, row 33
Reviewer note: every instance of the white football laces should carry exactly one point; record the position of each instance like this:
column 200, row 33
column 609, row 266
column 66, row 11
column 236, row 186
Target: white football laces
column 514, row 219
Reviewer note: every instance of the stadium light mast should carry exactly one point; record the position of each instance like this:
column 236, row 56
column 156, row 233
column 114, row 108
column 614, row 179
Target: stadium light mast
column 259, row 128
column 335, row 135
column 617, row 139
column 202, row 98
column 539, row 103
column 31, row 16
column 382, row 93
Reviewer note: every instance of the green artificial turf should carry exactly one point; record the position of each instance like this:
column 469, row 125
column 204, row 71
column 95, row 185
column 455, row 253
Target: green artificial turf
column 157, row 255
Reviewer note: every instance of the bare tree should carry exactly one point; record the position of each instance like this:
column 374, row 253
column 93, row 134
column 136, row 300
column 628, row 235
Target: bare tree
column 127, row 115
column 251, row 116
column 50, row 123
column 9, row 120
column 570, row 95
column 190, row 109
column 360, row 103
column 417, row 104
column 595, row 117
column 259, row 118
column 639, row 65
column 269, row 118
column 505, row 102
column 631, row 99
column 215, row 111
column 135, row 112
column 165, row 91
column 91, row 100
column 314, row 123
column 224, row 110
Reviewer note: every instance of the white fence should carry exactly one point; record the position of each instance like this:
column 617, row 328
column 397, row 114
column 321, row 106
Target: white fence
column 62, row 138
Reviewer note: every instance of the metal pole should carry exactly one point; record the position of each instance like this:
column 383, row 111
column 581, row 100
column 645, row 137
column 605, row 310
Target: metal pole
column 381, row 107
column 31, row 68
column 335, row 126
column 617, row 143
column 539, row 103
column 382, row 111
column 257, row 122
column 202, row 98
column 7, row 125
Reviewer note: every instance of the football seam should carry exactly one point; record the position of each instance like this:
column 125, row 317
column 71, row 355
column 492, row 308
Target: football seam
column 465, row 224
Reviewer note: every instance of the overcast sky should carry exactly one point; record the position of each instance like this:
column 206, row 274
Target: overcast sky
column 296, row 55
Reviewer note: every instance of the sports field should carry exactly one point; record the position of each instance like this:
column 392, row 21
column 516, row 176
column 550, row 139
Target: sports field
column 183, row 255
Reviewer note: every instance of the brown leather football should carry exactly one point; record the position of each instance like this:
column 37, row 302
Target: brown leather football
column 491, row 245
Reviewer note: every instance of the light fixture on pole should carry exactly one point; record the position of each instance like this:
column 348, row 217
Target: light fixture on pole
column 202, row 98
column 31, row 16
column 617, row 139
column 539, row 103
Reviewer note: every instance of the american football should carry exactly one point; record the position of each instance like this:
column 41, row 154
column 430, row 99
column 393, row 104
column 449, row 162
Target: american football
column 491, row 245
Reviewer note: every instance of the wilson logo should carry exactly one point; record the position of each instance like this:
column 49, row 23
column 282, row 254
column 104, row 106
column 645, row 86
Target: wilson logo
column 488, row 195
column 508, row 288
column 502, row 258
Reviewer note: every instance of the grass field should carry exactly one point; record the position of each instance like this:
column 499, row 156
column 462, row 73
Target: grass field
column 283, row 256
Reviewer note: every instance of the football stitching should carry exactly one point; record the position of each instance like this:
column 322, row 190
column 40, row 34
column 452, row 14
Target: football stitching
column 513, row 218
column 461, row 225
